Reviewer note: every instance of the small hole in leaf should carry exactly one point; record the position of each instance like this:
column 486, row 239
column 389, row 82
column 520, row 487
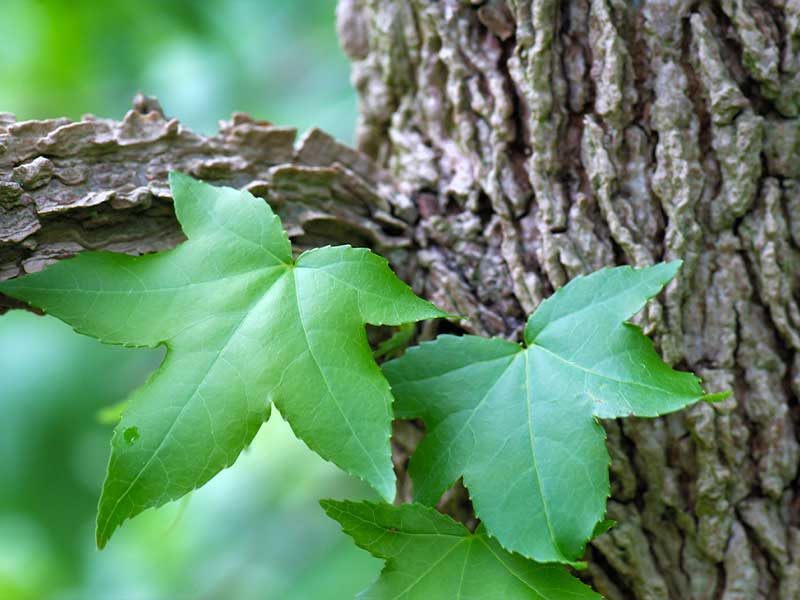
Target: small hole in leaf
column 131, row 434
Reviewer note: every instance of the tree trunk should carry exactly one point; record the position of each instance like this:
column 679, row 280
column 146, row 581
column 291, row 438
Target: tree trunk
column 543, row 139
column 508, row 147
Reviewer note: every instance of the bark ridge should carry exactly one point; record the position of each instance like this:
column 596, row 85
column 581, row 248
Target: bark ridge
column 542, row 139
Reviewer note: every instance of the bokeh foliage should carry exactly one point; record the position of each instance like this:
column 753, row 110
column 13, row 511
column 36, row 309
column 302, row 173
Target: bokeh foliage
column 278, row 60
column 256, row 531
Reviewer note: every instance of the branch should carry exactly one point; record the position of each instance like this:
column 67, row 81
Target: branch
column 101, row 184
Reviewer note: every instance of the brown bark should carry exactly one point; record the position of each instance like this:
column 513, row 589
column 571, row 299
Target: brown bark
column 100, row 184
column 541, row 139
column 515, row 145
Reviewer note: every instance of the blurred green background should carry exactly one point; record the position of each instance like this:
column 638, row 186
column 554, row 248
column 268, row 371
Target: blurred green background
column 276, row 59
column 256, row 531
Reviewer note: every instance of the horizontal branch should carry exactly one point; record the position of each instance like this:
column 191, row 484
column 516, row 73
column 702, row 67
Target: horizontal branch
column 101, row 184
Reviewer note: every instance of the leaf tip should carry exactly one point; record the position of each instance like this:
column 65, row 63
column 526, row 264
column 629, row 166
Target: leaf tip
column 669, row 269
column 446, row 315
column 716, row 397
column 101, row 533
column 437, row 313
column 108, row 519
column 676, row 264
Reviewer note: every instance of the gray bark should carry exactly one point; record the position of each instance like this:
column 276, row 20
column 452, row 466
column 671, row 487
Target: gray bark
column 512, row 146
column 99, row 184
column 541, row 139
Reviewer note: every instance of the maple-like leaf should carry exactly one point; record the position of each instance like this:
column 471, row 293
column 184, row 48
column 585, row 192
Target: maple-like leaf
column 245, row 325
column 429, row 556
column 518, row 422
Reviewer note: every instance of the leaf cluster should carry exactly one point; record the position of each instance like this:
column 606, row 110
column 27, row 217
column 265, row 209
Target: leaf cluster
column 248, row 326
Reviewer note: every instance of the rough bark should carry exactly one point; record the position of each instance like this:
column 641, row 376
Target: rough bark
column 541, row 139
column 99, row 184
column 515, row 145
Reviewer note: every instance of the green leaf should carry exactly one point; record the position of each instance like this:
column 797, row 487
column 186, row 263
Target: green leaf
column 603, row 526
column 245, row 325
column 519, row 423
column 430, row 556
column 397, row 343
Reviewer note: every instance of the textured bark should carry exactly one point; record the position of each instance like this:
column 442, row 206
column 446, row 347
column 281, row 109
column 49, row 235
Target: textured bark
column 541, row 139
column 100, row 184
column 515, row 145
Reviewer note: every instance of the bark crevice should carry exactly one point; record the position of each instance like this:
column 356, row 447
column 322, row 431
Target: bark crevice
column 620, row 132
